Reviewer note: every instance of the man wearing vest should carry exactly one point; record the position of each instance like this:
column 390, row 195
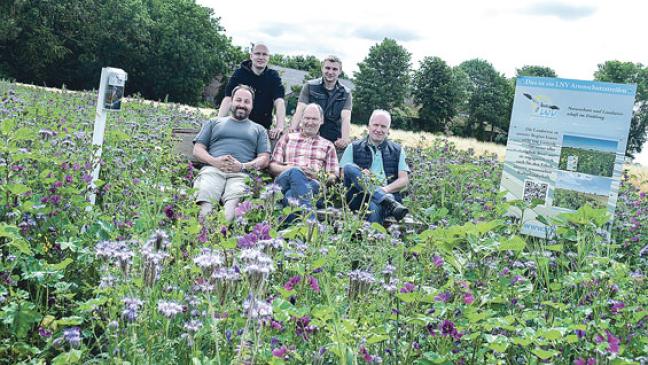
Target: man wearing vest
column 229, row 147
column 375, row 170
column 334, row 98
column 268, row 90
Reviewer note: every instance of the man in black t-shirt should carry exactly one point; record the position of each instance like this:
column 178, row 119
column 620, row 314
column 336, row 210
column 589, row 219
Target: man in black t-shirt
column 269, row 91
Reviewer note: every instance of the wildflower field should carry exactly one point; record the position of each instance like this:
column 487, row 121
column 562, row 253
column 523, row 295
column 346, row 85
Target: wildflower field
column 137, row 280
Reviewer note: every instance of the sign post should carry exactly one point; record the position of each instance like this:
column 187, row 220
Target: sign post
column 566, row 147
column 111, row 92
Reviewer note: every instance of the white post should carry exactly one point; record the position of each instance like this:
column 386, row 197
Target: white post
column 116, row 77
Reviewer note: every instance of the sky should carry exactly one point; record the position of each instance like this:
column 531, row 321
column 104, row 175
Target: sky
column 571, row 37
column 590, row 143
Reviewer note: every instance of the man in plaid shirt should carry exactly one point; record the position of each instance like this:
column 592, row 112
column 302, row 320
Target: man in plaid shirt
column 299, row 157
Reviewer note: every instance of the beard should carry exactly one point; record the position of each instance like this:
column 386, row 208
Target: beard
column 240, row 113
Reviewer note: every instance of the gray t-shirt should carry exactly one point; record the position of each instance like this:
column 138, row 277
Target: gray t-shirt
column 244, row 140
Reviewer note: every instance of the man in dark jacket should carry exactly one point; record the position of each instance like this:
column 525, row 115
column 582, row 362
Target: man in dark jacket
column 268, row 89
column 375, row 170
column 334, row 98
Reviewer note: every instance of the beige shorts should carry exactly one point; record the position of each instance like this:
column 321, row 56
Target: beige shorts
column 214, row 185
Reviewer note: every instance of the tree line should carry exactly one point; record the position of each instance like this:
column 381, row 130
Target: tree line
column 472, row 99
column 172, row 49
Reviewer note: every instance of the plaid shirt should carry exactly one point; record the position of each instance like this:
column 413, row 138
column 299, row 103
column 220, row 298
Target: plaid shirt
column 315, row 153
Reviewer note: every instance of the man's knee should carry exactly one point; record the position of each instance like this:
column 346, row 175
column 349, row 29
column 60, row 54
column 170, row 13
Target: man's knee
column 351, row 169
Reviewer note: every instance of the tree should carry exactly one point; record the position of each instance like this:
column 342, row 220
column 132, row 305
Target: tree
column 308, row 63
column 435, row 90
column 490, row 98
column 169, row 48
column 636, row 73
column 383, row 79
column 539, row 71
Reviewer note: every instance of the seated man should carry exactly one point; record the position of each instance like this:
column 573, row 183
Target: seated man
column 229, row 146
column 374, row 169
column 299, row 157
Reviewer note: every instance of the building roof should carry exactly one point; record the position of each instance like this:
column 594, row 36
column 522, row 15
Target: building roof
column 291, row 77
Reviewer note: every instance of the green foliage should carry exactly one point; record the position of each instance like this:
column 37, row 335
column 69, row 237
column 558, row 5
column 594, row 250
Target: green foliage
column 490, row 98
column 168, row 48
column 383, row 80
column 436, row 88
column 539, row 71
column 636, row 73
column 308, row 63
column 82, row 285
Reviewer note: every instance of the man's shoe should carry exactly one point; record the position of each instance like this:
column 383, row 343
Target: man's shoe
column 394, row 209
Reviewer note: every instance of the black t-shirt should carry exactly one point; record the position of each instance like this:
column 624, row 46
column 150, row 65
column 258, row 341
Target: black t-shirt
column 267, row 88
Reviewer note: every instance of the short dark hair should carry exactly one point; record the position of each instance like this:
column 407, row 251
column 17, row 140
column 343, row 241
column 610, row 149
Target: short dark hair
column 244, row 87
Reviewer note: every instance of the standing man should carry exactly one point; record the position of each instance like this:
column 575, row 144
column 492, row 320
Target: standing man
column 229, row 146
column 298, row 158
column 334, row 98
column 267, row 86
column 375, row 170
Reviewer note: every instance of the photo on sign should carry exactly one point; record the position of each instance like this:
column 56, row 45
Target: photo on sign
column 590, row 156
column 574, row 190
column 535, row 192
column 113, row 97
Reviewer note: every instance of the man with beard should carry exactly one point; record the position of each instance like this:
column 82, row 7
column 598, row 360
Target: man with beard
column 299, row 157
column 375, row 171
column 268, row 90
column 229, row 147
column 334, row 98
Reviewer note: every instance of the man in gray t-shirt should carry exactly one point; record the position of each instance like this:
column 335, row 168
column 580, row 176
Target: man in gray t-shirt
column 229, row 146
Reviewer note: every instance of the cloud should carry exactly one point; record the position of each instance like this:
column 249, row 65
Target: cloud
column 379, row 33
column 560, row 10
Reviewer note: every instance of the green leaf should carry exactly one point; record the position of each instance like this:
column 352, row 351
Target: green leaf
column 544, row 354
column 70, row 357
column 61, row 265
column 556, row 248
column 24, row 134
column 18, row 189
column 69, row 321
column 15, row 239
column 515, row 243
column 376, row 338
column 407, row 297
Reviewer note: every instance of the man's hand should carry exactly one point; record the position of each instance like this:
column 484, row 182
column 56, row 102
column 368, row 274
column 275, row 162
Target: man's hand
column 366, row 172
column 310, row 172
column 227, row 163
column 342, row 143
column 275, row 133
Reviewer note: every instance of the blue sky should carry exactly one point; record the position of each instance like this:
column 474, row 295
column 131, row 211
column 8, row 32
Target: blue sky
column 589, row 143
column 583, row 183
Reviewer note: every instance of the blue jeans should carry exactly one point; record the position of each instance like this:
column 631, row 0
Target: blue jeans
column 296, row 185
column 358, row 189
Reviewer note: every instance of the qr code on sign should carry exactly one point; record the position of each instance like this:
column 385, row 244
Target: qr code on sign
column 535, row 191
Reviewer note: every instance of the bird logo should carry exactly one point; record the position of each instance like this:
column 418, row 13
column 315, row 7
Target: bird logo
column 542, row 106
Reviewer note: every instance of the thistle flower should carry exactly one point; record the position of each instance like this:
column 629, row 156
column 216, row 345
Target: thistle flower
column 257, row 309
column 72, row 335
column 131, row 308
column 208, row 261
column 314, row 284
column 193, row 326
column 290, row 284
column 280, row 352
column 359, row 283
column 169, row 309
column 438, row 261
column 408, row 288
